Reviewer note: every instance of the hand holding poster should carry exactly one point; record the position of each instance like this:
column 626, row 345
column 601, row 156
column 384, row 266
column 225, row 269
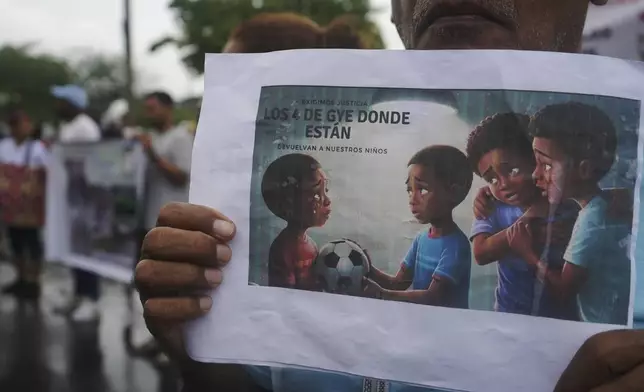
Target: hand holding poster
column 416, row 223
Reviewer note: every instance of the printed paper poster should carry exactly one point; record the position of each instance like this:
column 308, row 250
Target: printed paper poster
column 410, row 229
column 369, row 192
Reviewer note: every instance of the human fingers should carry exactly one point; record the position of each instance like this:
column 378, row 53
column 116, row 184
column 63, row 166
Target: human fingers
column 489, row 201
column 483, row 205
column 176, row 310
column 527, row 229
column 479, row 209
column 184, row 246
column 154, row 277
column 602, row 360
column 630, row 382
column 509, row 234
column 194, row 217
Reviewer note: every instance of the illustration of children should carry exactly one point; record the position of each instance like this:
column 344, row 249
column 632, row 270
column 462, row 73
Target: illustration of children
column 437, row 266
column 499, row 150
column 575, row 146
column 294, row 188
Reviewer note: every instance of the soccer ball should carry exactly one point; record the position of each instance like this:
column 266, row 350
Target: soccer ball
column 340, row 267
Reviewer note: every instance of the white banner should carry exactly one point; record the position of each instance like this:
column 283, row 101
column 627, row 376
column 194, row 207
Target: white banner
column 94, row 194
column 357, row 251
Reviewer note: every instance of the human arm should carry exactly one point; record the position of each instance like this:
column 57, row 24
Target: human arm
column 565, row 283
column 38, row 161
column 39, row 156
column 489, row 248
column 177, row 169
column 584, row 244
column 436, row 294
column 489, row 244
column 281, row 267
column 403, row 278
column 182, row 260
column 452, row 269
column 400, row 281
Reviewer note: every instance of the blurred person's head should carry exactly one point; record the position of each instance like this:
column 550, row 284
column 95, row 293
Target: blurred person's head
column 271, row 32
column 71, row 100
column 20, row 125
column 115, row 118
column 158, row 109
column 115, row 114
column 546, row 25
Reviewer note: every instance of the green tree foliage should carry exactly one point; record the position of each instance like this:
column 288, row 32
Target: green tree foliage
column 26, row 79
column 103, row 77
column 206, row 24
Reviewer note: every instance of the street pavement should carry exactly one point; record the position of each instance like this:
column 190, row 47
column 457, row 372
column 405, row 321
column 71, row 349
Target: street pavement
column 44, row 352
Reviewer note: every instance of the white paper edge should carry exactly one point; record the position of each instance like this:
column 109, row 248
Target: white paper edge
column 228, row 70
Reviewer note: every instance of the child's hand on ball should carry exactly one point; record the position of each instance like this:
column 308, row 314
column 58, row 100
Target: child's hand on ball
column 371, row 289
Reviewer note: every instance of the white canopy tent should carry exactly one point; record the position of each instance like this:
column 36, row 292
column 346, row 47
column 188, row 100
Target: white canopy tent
column 616, row 30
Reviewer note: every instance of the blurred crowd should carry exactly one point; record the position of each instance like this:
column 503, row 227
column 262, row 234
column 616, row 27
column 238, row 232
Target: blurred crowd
column 26, row 143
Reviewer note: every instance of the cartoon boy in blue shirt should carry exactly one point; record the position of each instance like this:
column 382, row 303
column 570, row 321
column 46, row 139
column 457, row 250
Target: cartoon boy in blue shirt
column 575, row 146
column 436, row 268
column 500, row 151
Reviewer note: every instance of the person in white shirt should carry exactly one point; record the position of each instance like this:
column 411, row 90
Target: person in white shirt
column 21, row 150
column 169, row 151
column 77, row 127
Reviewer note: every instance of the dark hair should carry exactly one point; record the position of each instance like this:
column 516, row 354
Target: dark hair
column 269, row 32
column 450, row 167
column 15, row 114
column 282, row 182
column 583, row 132
column 506, row 131
column 164, row 98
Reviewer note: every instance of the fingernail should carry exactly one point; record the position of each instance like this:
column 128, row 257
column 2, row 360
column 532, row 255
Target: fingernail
column 223, row 228
column 205, row 303
column 224, row 253
column 213, row 277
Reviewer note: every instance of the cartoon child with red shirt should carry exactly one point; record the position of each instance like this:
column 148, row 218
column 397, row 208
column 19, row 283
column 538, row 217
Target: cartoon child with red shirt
column 294, row 188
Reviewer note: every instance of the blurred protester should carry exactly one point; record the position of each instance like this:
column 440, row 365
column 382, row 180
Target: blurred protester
column 264, row 33
column 113, row 121
column 271, row 32
column 38, row 131
column 23, row 162
column 77, row 127
column 169, row 151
